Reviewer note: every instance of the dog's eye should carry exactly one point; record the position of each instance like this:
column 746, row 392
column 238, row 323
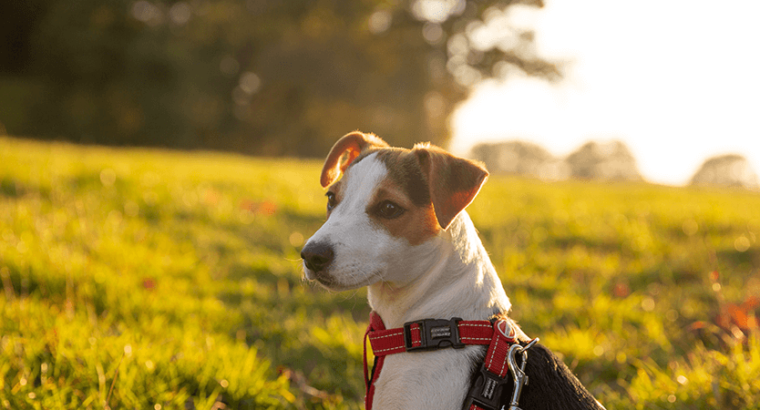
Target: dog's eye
column 389, row 210
column 331, row 201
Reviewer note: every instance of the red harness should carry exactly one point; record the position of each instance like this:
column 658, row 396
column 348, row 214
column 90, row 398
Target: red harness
column 433, row 334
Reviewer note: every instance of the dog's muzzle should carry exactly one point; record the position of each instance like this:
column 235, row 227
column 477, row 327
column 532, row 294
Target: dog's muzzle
column 317, row 256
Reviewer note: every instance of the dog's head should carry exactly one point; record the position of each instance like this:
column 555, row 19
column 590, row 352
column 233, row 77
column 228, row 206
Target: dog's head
column 385, row 208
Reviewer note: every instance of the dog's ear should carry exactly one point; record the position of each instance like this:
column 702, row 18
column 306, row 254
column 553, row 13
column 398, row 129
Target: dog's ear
column 350, row 146
column 454, row 182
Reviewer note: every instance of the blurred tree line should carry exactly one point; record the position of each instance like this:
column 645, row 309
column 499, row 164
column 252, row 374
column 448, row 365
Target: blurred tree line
column 263, row 77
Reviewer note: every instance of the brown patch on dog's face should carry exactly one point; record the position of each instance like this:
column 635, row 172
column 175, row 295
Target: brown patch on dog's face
column 402, row 204
column 414, row 223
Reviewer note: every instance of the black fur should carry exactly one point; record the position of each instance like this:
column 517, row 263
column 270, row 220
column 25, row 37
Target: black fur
column 551, row 385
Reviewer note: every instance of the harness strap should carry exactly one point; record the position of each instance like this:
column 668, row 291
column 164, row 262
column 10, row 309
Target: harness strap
column 375, row 324
column 498, row 349
column 430, row 334
column 487, row 389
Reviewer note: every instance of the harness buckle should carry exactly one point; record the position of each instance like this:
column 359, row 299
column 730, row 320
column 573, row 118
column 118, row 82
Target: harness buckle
column 486, row 391
column 434, row 334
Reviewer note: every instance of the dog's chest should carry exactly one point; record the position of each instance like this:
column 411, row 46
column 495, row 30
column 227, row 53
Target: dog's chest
column 436, row 380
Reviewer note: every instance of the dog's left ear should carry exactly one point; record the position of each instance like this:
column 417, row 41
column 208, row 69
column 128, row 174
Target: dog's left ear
column 454, row 182
column 350, row 145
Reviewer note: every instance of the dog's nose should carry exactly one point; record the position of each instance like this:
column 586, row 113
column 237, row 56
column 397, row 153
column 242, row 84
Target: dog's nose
column 317, row 256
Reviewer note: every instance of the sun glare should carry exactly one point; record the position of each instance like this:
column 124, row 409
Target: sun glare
column 653, row 75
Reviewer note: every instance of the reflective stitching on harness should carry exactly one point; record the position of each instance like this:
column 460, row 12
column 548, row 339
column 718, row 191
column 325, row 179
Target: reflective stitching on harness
column 419, row 334
column 476, row 338
column 390, row 348
column 390, row 335
column 493, row 353
column 503, row 364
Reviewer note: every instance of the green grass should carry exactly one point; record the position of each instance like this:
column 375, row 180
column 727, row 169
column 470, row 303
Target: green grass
column 152, row 279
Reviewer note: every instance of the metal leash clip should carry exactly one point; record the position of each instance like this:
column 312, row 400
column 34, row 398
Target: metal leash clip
column 518, row 373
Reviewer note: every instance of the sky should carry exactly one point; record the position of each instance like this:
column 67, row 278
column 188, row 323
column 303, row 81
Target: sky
column 677, row 81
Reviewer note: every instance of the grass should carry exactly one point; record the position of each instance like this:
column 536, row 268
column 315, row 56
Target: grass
column 156, row 279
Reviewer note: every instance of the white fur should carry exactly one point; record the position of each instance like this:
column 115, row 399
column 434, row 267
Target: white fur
column 361, row 248
column 448, row 276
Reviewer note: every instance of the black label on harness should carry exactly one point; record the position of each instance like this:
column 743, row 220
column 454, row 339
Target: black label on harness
column 440, row 332
column 489, row 388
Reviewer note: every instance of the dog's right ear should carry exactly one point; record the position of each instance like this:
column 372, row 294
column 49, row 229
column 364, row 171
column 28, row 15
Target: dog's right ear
column 350, row 146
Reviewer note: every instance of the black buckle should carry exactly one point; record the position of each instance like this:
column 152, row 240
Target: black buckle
column 434, row 334
column 486, row 392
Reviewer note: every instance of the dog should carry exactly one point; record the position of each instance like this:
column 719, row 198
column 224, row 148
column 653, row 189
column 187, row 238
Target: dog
column 396, row 223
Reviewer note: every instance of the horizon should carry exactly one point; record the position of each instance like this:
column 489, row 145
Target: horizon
column 679, row 80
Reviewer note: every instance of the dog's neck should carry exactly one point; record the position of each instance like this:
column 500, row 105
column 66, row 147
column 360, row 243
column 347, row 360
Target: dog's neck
column 455, row 255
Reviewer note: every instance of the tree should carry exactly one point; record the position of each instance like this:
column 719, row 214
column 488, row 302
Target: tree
column 265, row 77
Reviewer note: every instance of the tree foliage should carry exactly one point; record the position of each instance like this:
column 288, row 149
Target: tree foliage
column 257, row 76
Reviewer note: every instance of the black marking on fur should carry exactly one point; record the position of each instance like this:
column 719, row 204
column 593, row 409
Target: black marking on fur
column 552, row 385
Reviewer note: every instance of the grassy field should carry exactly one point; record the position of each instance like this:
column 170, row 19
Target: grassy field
column 137, row 279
